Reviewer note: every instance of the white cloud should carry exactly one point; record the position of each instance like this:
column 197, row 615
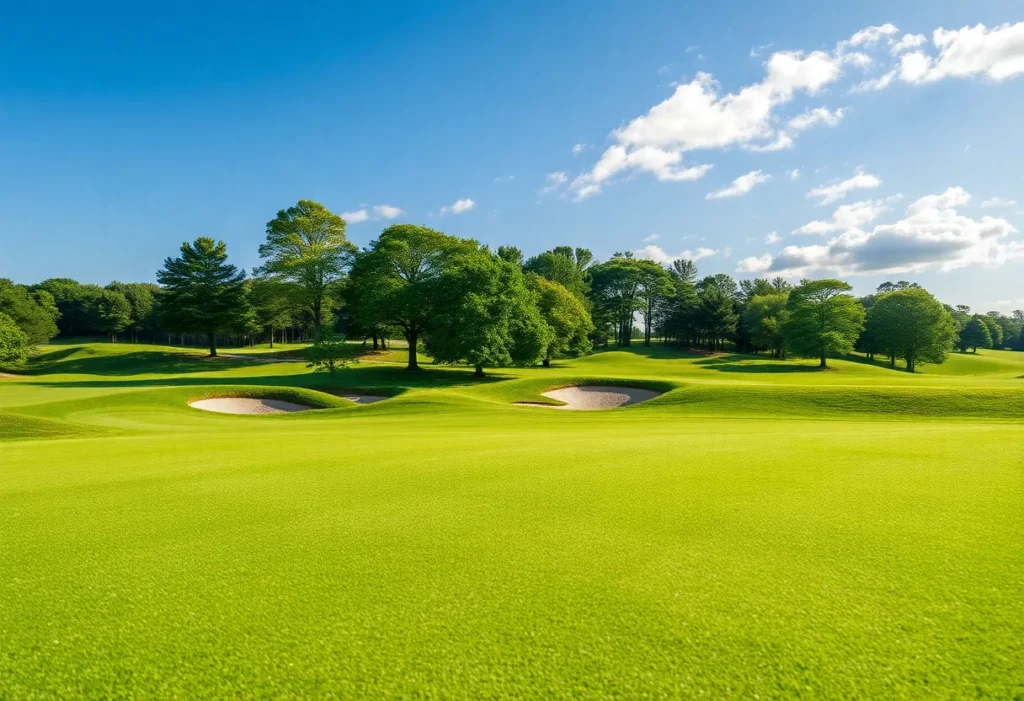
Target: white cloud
column 458, row 207
column 356, row 217
column 879, row 83
column 772, row 237
column 998, row 202
column 387, row 211
column 697, row 116
column 869, row 36
column 504, row 178
column 577, row 149
column 908, row 42
column 849, row 216
column 755, row 264
column 932, row 235
column 658, row 255
column 554, row 181
column 740, row 186
column 996, row 53
column 819, row 115
column 755, row 52
column 837, row 191
column 794, row 174
column 652, row 238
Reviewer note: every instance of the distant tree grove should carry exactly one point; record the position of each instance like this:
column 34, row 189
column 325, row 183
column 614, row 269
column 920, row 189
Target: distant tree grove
column 461, row 302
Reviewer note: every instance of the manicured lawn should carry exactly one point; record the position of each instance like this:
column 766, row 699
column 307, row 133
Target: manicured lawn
column 762, row 529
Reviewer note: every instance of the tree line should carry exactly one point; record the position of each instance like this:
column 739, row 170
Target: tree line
column 464, row 303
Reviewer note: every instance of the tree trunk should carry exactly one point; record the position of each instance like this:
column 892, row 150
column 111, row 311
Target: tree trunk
column 413, row 364
column 375, row 340
column 547, row 361
column 823, row 364
column 479, row 372
column 213, row 345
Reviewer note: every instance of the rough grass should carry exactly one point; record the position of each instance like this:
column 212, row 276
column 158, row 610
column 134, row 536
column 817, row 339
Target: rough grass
column 772, row 533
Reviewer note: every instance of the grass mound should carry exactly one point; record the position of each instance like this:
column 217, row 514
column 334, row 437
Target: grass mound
column 18, row 426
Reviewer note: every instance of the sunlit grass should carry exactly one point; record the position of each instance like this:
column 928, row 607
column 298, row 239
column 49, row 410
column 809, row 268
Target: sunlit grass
column 761, row 529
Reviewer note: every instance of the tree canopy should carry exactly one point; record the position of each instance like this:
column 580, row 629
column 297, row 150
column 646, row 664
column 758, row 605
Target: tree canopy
column 567, row 319
column 202, row 291
column 306, row 246
column 485, row 315
column 910, row 324
column 824, row 319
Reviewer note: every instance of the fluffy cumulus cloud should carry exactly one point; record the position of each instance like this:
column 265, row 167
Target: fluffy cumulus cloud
column 652, row 238
column 458, row 207
column 772, row 237
column 833, row 192
column 740, row 186
column 933, row 234
column 699, row 116
column 906, row 43
column 658, row 255
column 995, row 53
column 849, row 216
column 794, row 174
column 577, row 149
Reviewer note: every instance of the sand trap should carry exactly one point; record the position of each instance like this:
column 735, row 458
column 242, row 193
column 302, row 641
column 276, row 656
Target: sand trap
column 8, row 376
column 247, row 405
column 362, row 398
column 596, row 397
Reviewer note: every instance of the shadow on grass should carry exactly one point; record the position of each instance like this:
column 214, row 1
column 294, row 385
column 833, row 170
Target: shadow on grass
column 736, row 363
column 384, row 380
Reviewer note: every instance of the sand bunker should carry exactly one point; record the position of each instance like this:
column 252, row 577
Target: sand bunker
column 362, row 398
column 247, row 405
column 9, row 376
column 596, row 397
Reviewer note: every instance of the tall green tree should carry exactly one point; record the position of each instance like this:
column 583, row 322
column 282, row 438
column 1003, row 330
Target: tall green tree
column 975, row 335
column 306, row 246
column 485, row 315
column 14, row 343
column 995, row 331
column 77, row 304
column 568, row 320
column 115, row 313
column 561, row 268
column 909, row 323
column 203, row 293
column 272, row 302
column 824, row 319
column 615, row 286
column 765, row 317
column 23, row 306
column 656, row 289
column 511, row 254
column 141, row 298
column 396, row 280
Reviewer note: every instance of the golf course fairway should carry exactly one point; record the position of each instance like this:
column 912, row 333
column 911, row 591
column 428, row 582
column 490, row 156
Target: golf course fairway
column 760, row 529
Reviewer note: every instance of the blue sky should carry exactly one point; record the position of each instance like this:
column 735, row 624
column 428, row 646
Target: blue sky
column 128, row 128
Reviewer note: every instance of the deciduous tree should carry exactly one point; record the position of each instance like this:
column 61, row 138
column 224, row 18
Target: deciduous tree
column 911, row 324
column 485, row 315
column 14, row 343
column 568, row 320
column 306, row 246
column 824, row 320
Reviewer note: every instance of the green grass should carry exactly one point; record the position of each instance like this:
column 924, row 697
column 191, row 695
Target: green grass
column 760, row 530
